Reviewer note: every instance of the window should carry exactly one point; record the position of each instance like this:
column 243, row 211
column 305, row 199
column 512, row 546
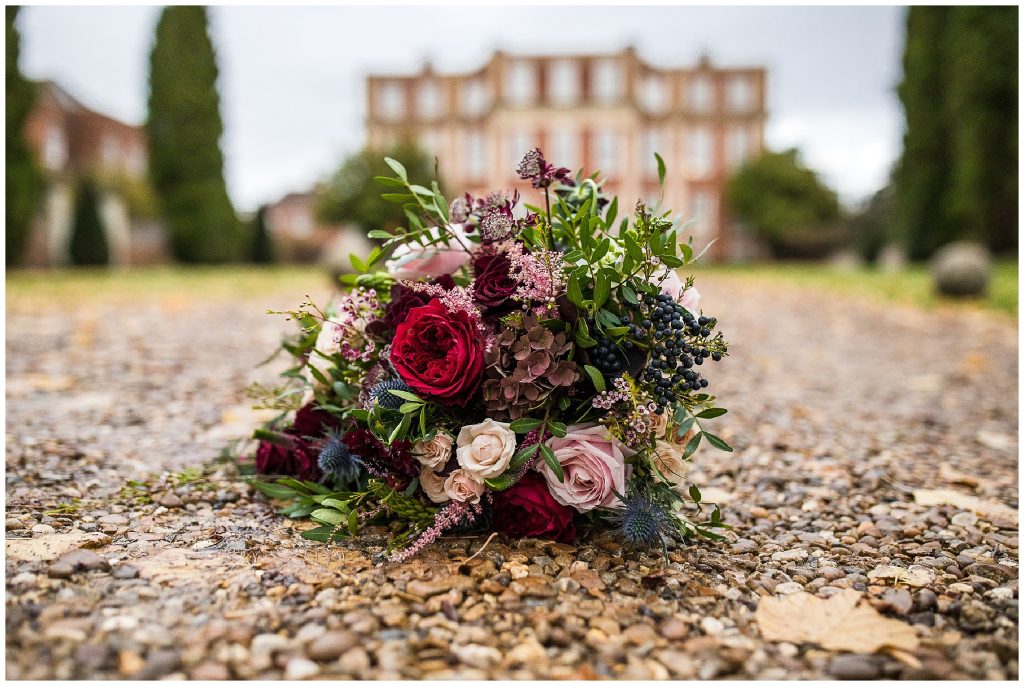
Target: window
column 563, row 82
column 519, row 83
column 700, row 94
column 700, row 151
column 429, row 100
column 430, row 141
column 517, row 144
column 475, row 98
column 565, row 149
column 653, row 94
column 606, row 152
column 476, row 155
column 390, row 100
column 653, row 141
column 55, row 148
column 737, row 146
column 704, row 213
column 740, row 94
column 607, row 81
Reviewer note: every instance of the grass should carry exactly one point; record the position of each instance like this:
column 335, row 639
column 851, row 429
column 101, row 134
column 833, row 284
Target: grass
column 912, row 285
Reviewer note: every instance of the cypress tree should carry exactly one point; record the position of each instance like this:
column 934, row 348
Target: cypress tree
column 922, row 174
column 88, row 239
column 184, row 126
column 24, row 186
column 261, row 249
column 981, row 106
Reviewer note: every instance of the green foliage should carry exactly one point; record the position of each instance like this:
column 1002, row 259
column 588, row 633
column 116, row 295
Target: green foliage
column 261, row 246
column 353, row 195
column 872, row 228
column 88, row 238
column 957, row 177
column 25, row 183
column 784, row 202
column 184, row 127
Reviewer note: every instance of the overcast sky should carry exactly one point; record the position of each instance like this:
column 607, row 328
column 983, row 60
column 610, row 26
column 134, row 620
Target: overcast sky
column 292, row 79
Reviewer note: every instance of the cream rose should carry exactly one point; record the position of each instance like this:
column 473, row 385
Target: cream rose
column 463, row 486
column 593, row 466
column 659, row 424
column 435, row 452
column 433, row 485
column 485, row 449
column 668, row 459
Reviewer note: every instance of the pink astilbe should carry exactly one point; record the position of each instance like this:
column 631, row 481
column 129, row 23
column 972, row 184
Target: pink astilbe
column 448, row 517
column 456, row 299
column 539, row 274
column 347, row 328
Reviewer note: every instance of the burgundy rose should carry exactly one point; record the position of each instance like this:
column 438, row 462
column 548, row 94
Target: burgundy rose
column 395, row 464
column 527, row 509
column 492, row 286
column 294, row 457
column 440, row 354
column 296, row 453
column 403, row 299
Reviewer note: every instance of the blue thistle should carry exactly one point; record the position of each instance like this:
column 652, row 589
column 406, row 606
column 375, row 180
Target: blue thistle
column 642, row 521
column 337, row 460
column 382, row 397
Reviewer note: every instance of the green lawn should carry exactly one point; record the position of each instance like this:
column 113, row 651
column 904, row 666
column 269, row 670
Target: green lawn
column 912, row 285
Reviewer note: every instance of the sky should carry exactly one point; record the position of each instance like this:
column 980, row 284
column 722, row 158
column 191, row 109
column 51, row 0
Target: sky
column 292, row 89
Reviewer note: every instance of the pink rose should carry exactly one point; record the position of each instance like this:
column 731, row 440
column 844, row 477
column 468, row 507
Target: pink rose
column 671, row 284
column 593, row 465
column 433, row 485
column 463, row 486
column 415, row 261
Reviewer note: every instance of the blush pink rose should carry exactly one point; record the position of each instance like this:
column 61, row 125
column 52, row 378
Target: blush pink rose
column 690, row 299
column 414, row 261
column 593, row 465
column 671, row 284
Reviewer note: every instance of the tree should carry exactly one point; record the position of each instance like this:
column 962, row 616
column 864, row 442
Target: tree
column 261, row 248
column 88, row 238
column 351, row 195
column 870, row 227
column 184, row 127
column 957, row 176
column 786, row 204
column 25, row 181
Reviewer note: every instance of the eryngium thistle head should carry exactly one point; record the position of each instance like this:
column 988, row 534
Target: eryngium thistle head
column 642, row 521
column 337, row 460
column 382, row 397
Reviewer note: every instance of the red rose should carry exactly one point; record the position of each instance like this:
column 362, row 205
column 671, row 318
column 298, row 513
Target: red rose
column 440, row 354
column 492, row 286
column 402, row 300
column 527, row 509
column 297, row 454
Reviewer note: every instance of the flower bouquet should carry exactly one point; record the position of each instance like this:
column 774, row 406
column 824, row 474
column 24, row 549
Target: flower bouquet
column 501, row 366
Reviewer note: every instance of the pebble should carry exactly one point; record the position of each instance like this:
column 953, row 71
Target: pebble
column 794, row 555
column 330, row 645
column 478, row 656
column 210, row 671
column 788, row 588
column 79, row 560
column 854, row 667
column 42, row 529
column 354, row 661
column 299, row 668
column 13, row 523
column 124, row 571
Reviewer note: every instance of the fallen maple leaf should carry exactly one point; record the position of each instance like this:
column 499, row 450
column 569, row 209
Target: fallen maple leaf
column 837, row 623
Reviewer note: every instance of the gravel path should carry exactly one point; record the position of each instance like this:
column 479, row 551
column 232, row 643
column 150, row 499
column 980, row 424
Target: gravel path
column 840, row 411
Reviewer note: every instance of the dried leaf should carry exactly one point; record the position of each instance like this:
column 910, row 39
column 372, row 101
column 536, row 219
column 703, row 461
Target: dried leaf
column 52, row 546
column 987, row 509
column 915, row 576
column 837, row 623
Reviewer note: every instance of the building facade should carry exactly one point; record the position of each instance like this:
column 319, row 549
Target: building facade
column 71, row 142
column 607, row 112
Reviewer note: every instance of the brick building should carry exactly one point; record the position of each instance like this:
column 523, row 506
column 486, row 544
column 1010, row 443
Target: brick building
column 72, row 141
column 604, row 111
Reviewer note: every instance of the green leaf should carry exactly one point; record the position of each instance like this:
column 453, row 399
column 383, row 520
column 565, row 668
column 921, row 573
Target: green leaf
column 601, row 250
column 398, row 168
column 718, row 442
column 420, row 190
column 328, row 516
column 388, row 181
column 602, row 289
column 274, row 490
column 661, row 168
column 687, row 252
column 398, row 198
column 613, row 210
column 574, row 292
column 684, row 427
column 406, row 395
column 629, row 295
column 335, row 503
column 695, row 493
column 407, row 408
column 692, row 444
column 711, row 413
column 322, row 534
column 552, row 462
column 582, row 336
column 379, row 233
column 353, row 522
column 557, row 429
column 671, row 261
column 522, row 426
column 520, row 458
column 596, row 377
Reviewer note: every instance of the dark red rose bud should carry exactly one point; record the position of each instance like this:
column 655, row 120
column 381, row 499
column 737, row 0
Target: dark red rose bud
column 528, row 509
